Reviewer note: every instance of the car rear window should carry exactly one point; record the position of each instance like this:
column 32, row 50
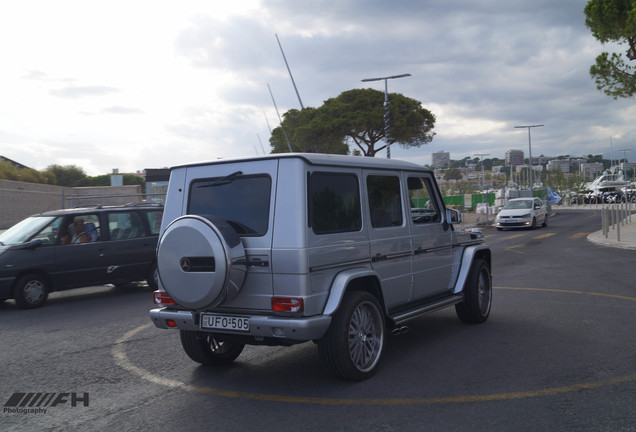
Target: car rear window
column 242, row 201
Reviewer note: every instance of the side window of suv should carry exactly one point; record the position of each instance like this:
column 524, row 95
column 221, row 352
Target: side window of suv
column 125, row 225
column 334, row 203
column 385, row 204
column 424, row 208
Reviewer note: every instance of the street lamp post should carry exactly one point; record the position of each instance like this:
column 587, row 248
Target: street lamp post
column 530, row 155
column 483, row 179
column 387, row 134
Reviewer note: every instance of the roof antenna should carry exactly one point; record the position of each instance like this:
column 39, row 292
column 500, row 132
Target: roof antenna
column 259, row 140
column 289, row 70
column 279, row 119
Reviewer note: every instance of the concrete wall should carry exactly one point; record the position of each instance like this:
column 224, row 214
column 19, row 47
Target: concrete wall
column 19, row 199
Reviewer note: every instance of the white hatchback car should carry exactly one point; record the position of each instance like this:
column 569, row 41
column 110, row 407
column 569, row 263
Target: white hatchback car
column 522, row 213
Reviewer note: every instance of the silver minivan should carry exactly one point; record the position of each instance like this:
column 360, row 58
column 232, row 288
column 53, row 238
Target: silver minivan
column 290, row 248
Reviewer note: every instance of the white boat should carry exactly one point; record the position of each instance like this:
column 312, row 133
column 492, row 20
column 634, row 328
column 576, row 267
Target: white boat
column 607, row 182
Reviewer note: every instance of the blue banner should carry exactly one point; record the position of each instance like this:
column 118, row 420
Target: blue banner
column 553, row 197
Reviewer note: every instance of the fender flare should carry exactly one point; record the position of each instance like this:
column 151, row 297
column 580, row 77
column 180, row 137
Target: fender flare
column 468, row 257
column 340, row 284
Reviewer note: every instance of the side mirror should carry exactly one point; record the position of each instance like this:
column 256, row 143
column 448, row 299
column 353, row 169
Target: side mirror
column 453, row 216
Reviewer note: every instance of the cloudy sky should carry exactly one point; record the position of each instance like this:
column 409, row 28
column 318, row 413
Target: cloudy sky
column 150, row 84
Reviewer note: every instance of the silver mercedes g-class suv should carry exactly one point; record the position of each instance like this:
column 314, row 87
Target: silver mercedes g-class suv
column 290, row 248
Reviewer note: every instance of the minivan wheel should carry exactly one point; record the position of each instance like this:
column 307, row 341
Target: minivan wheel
column 477, row 294
column 352, row 346
column 204, row 348
column 153, row 277
column 31, row 291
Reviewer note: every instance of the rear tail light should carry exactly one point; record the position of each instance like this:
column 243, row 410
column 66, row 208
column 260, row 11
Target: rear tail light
column 287, row 304
column 162, row 298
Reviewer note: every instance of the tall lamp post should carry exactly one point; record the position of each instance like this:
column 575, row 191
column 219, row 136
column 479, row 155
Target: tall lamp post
column 530, row 155
column 483, row 179
column 387, row 134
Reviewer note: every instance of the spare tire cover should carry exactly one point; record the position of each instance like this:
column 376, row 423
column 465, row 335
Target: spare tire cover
column 200, row 261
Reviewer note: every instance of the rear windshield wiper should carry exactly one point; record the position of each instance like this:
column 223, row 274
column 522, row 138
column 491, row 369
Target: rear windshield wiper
column 223, row 180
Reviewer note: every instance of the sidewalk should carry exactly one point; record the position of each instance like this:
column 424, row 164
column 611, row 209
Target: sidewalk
column 627, row 230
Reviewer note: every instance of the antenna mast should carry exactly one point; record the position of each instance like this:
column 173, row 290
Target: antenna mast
column 289, row 70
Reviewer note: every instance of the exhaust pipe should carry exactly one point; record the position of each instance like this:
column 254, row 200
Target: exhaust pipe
column 399, row 330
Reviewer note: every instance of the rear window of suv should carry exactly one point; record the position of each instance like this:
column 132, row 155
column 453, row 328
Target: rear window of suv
column 242, row 201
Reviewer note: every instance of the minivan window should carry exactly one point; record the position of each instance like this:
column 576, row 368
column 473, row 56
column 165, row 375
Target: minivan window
column 242, row 201
column 154, row 221
column 125, row 225
column 334, row 203
column 385, row 205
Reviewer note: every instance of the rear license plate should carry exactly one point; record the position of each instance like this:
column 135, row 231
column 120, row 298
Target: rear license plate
column 224, row 322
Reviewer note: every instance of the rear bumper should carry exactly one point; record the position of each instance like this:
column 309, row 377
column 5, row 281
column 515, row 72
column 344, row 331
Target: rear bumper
column 300, row 329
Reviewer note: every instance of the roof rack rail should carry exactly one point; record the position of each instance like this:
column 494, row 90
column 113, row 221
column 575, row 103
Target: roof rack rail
column 144, row 204
column 97, row 206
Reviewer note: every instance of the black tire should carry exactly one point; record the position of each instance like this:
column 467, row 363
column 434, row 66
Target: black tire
column 534, row 224
column 204, row 348
column 477, row 294
column 153, row 277
column 352, row 346
column 31, row 291
column 545, row 221
column 499, row 229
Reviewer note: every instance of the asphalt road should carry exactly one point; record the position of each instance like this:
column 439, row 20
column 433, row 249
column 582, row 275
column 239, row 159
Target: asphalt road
column 558, row 353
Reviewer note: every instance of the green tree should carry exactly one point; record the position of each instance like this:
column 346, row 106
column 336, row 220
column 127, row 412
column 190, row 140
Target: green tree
column 8, row 171
column 68, row 175
column 360, row 114
column 614, row 21
column 30, row 175
column 308, row 131
column 453, row 174
column 355, row 117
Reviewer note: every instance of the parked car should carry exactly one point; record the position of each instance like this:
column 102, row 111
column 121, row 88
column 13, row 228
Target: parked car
column 522, row 213
column 63, row 249
column 285, row 249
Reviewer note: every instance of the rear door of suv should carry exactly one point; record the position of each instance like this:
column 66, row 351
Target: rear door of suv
column 389, row 236
column 240, row 193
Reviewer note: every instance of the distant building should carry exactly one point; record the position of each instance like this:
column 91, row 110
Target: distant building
column 514, row 157
column 157, row 184
column 12, row 162
column 592, row 169
column 561, row 164
column 441, row 159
